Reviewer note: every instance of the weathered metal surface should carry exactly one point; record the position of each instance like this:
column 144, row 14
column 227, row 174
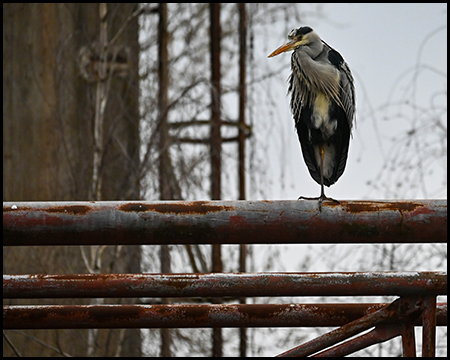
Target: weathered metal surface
column 401, row 309
column 409, row 338
column 224, row 284
column 233, row 222
column 379, row 334
column 429, row 327
column 187, row 316
column 227, row 222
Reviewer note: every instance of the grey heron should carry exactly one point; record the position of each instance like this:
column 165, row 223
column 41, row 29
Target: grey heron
column 322, row 104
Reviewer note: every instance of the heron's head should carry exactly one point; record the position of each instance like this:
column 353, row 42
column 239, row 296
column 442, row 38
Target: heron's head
column 303, row 36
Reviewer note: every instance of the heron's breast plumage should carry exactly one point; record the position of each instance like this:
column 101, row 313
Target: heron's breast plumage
column 318, row 110
column 320, row 116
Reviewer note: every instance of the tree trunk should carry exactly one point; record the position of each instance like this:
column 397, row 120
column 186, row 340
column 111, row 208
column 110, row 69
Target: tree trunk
column 50, row 75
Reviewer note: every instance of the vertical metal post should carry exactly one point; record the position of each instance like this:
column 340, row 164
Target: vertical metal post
column 217, row 331
column 163, row 83
column 164, row 164
column 429, row 327
column 215, row 140
column 243, row 331
column 215, row 144
column 166, row 338
column 408, row 339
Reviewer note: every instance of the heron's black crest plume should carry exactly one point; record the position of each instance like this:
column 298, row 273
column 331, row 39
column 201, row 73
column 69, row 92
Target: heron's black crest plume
column 303, row 30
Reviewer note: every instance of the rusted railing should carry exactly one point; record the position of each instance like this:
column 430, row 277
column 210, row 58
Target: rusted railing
column 236, row 222
column 224, row 284
column 189, row 316
column 225, row 222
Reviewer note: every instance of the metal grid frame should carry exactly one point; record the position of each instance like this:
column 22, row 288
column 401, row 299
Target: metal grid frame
column 237, row 222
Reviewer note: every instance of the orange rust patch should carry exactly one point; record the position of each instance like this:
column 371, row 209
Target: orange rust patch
column 194, row 207
column 72, row 209
column 371, row 206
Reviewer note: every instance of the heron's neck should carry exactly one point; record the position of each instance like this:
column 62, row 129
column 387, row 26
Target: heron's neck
column 314, row 50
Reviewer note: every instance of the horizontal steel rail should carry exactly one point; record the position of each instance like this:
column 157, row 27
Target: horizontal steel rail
column 224, row 284
column 190, row 316
column 233, row 222
column 223, row 222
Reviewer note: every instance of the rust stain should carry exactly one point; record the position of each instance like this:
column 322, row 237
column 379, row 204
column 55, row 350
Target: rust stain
column 371, row 206
column 194, row 207
column 237, row 221
column 70, row 209
column 13, row 208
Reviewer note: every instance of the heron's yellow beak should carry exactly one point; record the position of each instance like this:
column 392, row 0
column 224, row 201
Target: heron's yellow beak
column 290, row 45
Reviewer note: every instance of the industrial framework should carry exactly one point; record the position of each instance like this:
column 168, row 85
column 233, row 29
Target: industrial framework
column 234, row 222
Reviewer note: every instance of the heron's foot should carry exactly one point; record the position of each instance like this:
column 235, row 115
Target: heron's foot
column 320, row 199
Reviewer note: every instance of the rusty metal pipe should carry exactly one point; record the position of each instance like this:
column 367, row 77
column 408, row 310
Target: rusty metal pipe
column 226, row 222
column 409, row 338
column 379, row 334
column 224, row 284
column 400, row 308
column 187, row 316
column 429, row 327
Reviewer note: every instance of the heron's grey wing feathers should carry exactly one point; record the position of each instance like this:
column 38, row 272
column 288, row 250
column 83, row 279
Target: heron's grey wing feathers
column 348, row 93
column 347, row 88
column 319, row 75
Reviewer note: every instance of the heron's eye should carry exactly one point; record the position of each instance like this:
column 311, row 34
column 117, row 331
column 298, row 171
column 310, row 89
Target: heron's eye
column 292, row 34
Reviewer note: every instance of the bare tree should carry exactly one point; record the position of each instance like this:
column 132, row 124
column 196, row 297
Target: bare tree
column 419, row 154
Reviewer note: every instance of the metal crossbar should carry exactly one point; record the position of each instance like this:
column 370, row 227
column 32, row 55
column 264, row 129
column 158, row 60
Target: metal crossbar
column 224, row 284
column 194, row 316
column 223, row 222
column 233, row 222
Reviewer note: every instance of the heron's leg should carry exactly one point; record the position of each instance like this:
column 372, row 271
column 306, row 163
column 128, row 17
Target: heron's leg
column 322, row 190
column 322, row 196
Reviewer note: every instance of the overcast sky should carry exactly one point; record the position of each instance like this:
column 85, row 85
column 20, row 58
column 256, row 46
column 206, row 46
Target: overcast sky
column 381, row 43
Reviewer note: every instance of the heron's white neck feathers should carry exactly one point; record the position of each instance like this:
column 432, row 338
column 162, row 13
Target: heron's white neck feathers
column 315, row 76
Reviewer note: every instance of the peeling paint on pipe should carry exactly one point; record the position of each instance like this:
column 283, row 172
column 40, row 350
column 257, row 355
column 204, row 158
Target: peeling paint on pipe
column 224, row 284
column 223, row 222
column 190, row 316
